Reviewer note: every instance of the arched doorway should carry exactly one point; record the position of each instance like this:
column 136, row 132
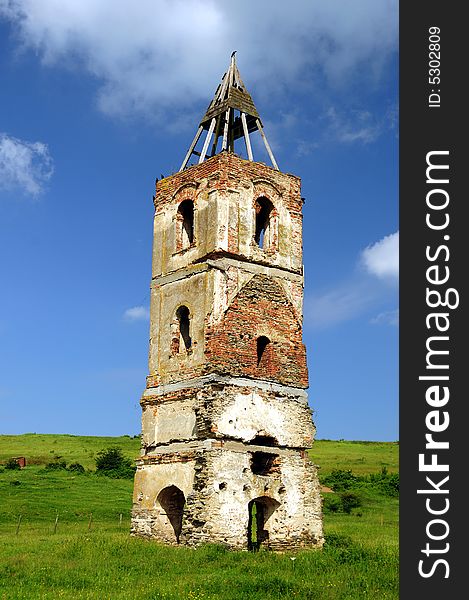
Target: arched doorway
column 260, row 510
column 172, row 500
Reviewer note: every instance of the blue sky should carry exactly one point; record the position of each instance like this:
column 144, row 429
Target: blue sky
column 99, row 98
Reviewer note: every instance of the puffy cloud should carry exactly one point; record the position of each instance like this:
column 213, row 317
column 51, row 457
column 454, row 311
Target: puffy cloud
column 382, row 258
column 24, row 165
column 361, row 292
column 152, row 56
column 137, row 313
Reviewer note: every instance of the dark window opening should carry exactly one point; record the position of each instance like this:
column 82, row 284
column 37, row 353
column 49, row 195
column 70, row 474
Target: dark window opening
column 186, row 224
column 264, row 463
column 182, row 315
column 172, row 500
column 264, row 440
column 260, row 510
column 262, row 343
column 264, row 209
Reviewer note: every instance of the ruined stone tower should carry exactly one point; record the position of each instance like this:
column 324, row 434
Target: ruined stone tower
column 226, row 425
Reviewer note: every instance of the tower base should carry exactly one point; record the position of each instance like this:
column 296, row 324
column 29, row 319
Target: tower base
column 221, row 491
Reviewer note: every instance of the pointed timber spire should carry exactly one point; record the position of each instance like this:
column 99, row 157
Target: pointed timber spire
column 221, row 121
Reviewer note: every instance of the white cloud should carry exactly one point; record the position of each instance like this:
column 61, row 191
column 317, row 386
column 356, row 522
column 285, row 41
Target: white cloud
column 382, row 258
column 305, row 147
column 152, row 56
column 24, row 165
column 362, row 292
column 137, row 313
column 389, row 317
column 347, row 301
column 358, row 125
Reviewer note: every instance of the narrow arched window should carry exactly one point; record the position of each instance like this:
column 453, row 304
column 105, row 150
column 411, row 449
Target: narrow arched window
column 185, row 225
column 182, row 315
column 262, row 343
column 263, row 232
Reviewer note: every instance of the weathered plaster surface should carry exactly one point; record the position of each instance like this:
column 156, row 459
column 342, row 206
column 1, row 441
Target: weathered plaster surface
column 226, row 411
column 223, row 484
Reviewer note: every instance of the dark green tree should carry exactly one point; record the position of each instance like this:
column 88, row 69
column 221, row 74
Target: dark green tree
column 112, row 463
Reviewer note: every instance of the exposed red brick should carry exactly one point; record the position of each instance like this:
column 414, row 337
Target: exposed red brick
column 260, row 309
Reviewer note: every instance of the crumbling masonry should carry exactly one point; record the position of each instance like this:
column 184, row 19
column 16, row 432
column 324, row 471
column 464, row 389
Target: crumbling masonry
column 226, row 425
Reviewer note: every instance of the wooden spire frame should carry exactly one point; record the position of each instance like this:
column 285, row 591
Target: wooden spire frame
column 230, row 97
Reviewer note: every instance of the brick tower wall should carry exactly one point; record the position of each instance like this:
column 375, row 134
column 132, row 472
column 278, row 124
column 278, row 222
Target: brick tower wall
column 225, row 418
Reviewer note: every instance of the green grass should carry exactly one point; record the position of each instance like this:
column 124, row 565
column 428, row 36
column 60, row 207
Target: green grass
column 112, row 565
column 374, row 524
column 359, row 560
column 39, row 495
column 39, row 449
column 361, row 457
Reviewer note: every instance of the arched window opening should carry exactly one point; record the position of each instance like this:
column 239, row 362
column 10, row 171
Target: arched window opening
column 172, row 500
column 185, row 221
column 182, row 315
column 263, row 233
column 265, row 463
column 260, row 510
column 262, row 343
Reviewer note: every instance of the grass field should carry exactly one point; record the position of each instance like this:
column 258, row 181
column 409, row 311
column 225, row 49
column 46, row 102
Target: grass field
column 361, row 457
column 42, row 448
column 91, row 555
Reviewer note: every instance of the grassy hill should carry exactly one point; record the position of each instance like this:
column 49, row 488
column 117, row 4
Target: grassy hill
column 66, row 535
column 39, row 449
